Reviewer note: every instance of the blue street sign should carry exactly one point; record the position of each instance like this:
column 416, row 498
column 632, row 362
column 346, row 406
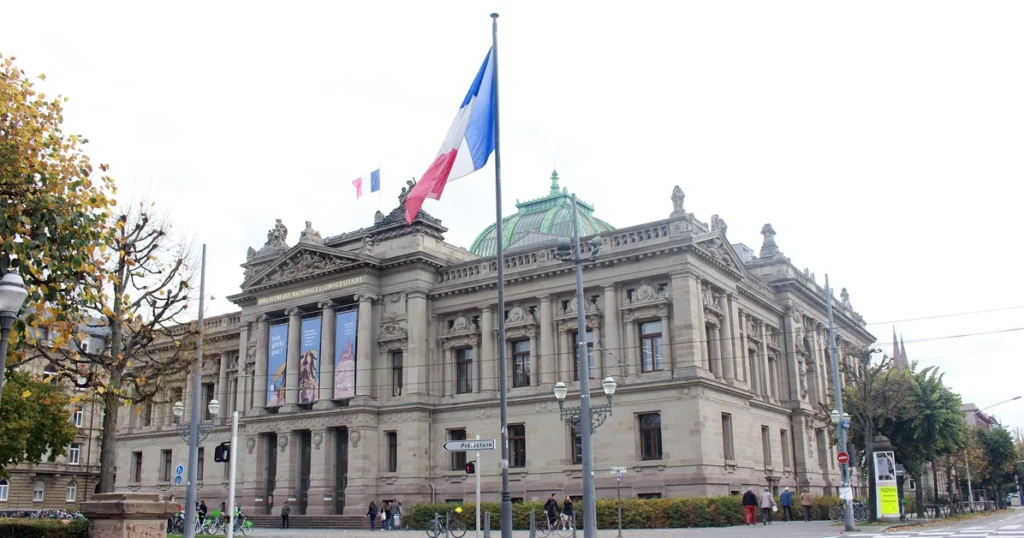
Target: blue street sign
column 846, row 424
column 177, row 480
column 179, row 470
column 618, row 476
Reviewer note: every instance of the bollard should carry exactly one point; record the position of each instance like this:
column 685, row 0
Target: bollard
column 447, row 522
column 533, row 524
column 437, row 523
column 574, row 525
column 487, row 525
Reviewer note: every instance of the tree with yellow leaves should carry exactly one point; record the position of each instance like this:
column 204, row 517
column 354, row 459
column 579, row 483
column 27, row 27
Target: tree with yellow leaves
column 35, row 421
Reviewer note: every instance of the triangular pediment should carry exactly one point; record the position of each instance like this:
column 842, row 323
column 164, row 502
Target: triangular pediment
column 720, row 250
column 305, row 261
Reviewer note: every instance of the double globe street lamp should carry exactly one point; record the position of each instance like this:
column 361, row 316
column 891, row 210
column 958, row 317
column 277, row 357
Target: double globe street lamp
column 205, row 427
column 12, row 297
column 598, row 413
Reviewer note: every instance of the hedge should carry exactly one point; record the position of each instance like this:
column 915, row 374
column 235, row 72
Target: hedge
column 679, row 512
column 43, row 528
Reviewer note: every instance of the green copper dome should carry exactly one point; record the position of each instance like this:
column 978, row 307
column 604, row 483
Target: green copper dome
column 540, row 220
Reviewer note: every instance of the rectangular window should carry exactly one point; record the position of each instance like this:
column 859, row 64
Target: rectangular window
column 576, row 354
column 458, row 458
column 147, row 415
column 38, row 491
column 3, row 490
column 517, row 445
column 648, row 496
column 766, row 446
column 165, row 465
column 136, row 474
column 75, row 454
column 208, row 396
column 577, row 446
column 392, row 451
column 727, row 446
column 77, row 416
column 71, row 493
column 650, row 436
column 464, row 370
column 521, row 364
column 913, row 486
column 396, row 373
column 785, row 449
column 650, row 347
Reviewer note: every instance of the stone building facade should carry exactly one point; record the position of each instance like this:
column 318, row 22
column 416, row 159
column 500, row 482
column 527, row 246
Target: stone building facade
column 720, row 358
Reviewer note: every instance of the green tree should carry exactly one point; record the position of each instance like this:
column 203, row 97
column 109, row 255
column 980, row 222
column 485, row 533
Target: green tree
column 36, row 418
column 53, row 206
column 1002, row 458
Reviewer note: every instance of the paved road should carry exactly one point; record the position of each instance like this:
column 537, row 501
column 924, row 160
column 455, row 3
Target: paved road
column 1004, row 525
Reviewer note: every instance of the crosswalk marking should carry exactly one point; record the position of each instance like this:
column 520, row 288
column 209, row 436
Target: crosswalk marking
column 1010, row 527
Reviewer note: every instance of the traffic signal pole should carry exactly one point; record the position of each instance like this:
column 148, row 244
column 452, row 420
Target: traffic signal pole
column 231, row 475
column 477, row 473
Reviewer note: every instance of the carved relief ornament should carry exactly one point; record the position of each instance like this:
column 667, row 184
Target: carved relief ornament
column 463, row 332
column 304, row 264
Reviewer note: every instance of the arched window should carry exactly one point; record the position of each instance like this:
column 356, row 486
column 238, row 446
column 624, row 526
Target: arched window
column 39, row 491
column 72, row 492
column 4, row 486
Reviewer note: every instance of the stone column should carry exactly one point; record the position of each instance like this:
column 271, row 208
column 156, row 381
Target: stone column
column 702, row 337
column 630, row 351
column 261, row 375
column 792, row 368
column 291, row 369
column 243, row 356
column 716, row 352
column 565, row 357
column 598, row 369
column 415, row 378
column 328, row 332
column 769, row 391
column 687, row 327
column 286, row 487
column 547, row 361
column 726, row 356
column 487, row 358
column 734, row 340
column 126, row 514
column 222, row 390
column 450, row 377
column 474, row 375
column 364, row 347
column 741, row 330
column 666, row 336
column 612, row 357
column 532, row 363
column 321, row 472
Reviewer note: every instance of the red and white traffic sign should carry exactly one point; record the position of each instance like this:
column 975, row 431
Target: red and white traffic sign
column 843, row 458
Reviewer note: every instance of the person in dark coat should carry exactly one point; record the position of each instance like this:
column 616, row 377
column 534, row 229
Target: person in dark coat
column 285, row 512
column 372, row 513
column 551, row 508
column 750, row 506
column 786, row 501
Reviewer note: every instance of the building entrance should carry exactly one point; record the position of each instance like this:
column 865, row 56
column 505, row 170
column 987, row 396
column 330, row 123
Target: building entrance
column 271, row 473
column 340, row 469
column 305, row 458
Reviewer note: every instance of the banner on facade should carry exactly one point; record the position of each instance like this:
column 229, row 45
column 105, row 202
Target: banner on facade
column 345, row 348
column 277, row 357
column 885, row 484
column 309, row 360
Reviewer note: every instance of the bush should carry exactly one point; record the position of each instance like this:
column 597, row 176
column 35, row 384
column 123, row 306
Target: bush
column 679, row 512
column 43, row 528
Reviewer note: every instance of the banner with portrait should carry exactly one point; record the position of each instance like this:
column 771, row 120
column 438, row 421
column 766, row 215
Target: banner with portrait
column 309, row 360
column 885, row 484
column 277, row 357
column 345, row 349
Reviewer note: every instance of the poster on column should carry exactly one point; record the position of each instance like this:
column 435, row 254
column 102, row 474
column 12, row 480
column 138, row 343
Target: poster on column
column 345, row 347
column 277, row 356
column 309, row 360
column 885, row 482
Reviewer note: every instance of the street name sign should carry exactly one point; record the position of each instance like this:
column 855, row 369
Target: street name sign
column 618, row 469
column 843, row 458
column 470, row 445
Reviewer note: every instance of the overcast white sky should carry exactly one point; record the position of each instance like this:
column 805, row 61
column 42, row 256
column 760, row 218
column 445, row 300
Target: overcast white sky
column 881, row 139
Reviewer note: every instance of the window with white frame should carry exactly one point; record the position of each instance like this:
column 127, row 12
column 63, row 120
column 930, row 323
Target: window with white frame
column 72, row 492
column 75, row 454
column 77, row 415
column 38, row 491
column 4, row 487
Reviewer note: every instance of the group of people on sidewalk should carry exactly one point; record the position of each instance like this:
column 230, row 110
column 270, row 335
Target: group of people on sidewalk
column 390, row 513
column 766, row 501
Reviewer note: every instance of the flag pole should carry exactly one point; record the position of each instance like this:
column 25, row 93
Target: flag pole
column 506, row 497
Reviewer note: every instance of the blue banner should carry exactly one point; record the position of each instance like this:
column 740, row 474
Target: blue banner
column 277, row 357
column 309, row 360
column 345, row 350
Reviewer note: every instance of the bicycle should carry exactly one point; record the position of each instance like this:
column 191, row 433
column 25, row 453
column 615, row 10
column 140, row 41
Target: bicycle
column 242, row 525
column 860, row 512
column 448, row 526
column 562, row 526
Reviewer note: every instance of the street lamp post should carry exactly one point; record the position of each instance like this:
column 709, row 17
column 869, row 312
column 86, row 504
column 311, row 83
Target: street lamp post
column 837, row 414
column 12, row 296
column 205, row 427
column 570, row 252
column 193, row 432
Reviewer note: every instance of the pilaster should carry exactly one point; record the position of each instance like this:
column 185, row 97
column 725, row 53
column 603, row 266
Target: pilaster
column 488, row 362
column 725, row 347
column 688, row 326
column 364, row 347
column 261, row 377
column 222, row 390
column 321, row 473
column 415, row 374
column 547, row 361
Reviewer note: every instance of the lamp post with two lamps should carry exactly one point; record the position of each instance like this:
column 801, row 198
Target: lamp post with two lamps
column 205, row 427
column 12, row 296
column 193, row 433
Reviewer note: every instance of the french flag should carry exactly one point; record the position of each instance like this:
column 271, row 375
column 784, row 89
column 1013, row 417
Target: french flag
column 467, row 146
column 372, row 177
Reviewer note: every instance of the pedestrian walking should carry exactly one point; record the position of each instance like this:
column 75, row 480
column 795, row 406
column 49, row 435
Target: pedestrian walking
column 372, row 514
column 567, row 511
column 397, row 515
column 805, row 503
column 749, row 505
column 767, row 504
column 285, row 512
column 786, row 500
column 385, row 522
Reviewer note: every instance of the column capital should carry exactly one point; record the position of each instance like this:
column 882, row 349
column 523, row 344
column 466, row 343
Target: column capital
column 365, row 297
column 293, row 311
column 610, row 287
column 487, row 308
column 261, row 318
column 416, row 294
column 327, row 304
column 544, row 298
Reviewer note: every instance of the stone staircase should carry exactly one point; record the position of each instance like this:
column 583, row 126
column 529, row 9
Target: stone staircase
column 312, row 522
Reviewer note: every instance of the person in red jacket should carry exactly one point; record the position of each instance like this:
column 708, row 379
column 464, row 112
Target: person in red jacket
column 750, row 506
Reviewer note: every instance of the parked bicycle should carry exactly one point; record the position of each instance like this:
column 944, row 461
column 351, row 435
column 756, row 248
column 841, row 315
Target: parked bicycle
column 447, row 525
column 860, row 512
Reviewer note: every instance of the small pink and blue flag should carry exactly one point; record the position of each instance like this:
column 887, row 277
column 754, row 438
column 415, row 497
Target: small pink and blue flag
column 373, row 178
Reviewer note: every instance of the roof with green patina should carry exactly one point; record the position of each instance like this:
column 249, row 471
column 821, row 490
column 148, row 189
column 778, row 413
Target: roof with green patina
column 540, row 219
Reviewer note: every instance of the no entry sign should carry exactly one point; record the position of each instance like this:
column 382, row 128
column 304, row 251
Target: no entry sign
column 843, row 458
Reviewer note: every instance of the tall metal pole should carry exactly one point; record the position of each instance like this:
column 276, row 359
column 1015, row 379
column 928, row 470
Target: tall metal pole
column 231, row 474
column 970, row 488
column 506, row 496
column 193, row 427
column 7, row 320
column 478, row 468
column 837, row 390
column 583, row 367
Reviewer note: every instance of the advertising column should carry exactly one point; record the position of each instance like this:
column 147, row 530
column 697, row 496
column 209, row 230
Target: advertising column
column 885, row 484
